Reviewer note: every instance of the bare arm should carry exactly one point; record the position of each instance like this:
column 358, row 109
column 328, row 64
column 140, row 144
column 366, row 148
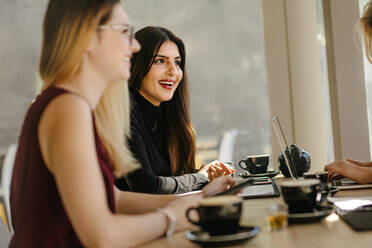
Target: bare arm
column 360, row 163
column 67, row 143
column 137, row 203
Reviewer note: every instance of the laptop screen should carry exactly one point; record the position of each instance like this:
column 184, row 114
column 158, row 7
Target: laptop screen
column 284, row 147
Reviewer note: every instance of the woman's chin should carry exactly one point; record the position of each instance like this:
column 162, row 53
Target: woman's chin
column 167, row 98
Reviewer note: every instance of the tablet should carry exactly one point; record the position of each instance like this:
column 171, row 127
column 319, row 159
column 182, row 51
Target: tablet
column 255, row 188
column 241, row 184
column 261, row 190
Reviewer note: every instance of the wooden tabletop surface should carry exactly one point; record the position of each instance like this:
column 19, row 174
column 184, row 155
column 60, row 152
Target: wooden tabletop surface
column 330, row 232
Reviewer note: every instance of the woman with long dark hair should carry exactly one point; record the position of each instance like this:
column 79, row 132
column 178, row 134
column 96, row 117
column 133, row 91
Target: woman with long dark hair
column 71, row 146
column 162, row 136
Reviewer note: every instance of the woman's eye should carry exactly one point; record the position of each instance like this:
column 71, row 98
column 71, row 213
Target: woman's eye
column 177, row 62
column 125, row 31
column 157, row 61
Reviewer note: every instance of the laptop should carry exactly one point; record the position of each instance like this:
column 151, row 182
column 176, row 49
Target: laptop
column 284, row 148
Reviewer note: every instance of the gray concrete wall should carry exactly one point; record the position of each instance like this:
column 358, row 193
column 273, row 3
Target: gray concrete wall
column 20, row 41
column 225, row 48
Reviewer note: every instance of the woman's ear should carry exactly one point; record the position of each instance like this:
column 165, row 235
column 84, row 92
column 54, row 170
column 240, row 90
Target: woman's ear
column 93, row 43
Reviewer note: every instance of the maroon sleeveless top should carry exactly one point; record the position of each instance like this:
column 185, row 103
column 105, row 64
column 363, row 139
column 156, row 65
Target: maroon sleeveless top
column 38, row 216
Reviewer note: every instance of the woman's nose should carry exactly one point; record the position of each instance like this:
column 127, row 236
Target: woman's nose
column 172, row 68
column 135, row 46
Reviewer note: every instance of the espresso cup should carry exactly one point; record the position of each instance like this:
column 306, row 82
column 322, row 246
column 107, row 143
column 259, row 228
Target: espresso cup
column 218, row 215
column 325, row 186
column 301, row 196
column 255, row 164
column 321, row 175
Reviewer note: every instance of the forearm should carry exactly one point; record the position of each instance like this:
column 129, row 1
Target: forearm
column 190, row 182
column 137, row 203
column 130, row 231
column 146, row 182
column 358, row 174
column 178, row 184
column 368, row 164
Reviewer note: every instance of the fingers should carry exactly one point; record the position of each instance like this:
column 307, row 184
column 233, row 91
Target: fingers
column 226, row 182
column 335, row 170
column 336, row 176
column 218, row 185
column 215, row 171
column 178, row 209
column 221, row 168
column 230, row 181
column 226, row 168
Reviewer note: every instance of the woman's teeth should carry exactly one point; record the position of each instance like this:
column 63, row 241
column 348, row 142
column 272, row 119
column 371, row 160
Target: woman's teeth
column 167, row 83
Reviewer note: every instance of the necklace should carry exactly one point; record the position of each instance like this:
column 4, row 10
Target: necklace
column 154, row 128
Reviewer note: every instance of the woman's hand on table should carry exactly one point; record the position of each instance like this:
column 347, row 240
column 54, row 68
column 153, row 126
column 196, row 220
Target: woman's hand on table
column 216, row 169
column 218, row 185
column 347, row 168
column 178, row 207
column 336, row 170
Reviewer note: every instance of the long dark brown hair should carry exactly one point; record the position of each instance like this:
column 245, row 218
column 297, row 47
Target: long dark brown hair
column 179, row 132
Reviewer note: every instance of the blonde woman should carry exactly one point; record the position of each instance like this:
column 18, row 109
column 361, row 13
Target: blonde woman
column 71, row 144
column 358, row 171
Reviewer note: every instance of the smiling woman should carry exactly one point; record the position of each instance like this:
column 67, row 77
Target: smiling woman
column 164, row 75
column 162, row 136
column 71, row 146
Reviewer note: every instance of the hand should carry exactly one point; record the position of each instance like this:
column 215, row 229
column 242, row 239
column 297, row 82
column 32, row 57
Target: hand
column 359, row 163
column 218, row 185
column 216, row 169
column 336, row 170
column 178, row 209
column 345, row 168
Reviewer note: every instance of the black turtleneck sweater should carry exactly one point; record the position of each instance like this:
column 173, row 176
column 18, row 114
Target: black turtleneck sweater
column 149, row 145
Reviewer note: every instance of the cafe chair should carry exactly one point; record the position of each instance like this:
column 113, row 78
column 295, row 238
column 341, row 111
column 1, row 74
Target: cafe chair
column 6, row 178
column 226, row 148
column 5, row 235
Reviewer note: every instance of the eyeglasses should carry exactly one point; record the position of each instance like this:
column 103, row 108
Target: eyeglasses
column 125, row 29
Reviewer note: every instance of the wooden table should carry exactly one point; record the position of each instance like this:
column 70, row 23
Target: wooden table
column 330, row 232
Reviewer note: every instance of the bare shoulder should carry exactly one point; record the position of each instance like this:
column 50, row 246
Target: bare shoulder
column 66, row 121
column 67, row 107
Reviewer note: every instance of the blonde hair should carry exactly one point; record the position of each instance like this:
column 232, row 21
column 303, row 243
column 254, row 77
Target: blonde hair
column 69, row 26
column 112, row 117
column 365, row 29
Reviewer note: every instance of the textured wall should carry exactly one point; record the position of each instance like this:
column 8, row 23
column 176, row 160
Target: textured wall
column 20, row 35
column 224, row 41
